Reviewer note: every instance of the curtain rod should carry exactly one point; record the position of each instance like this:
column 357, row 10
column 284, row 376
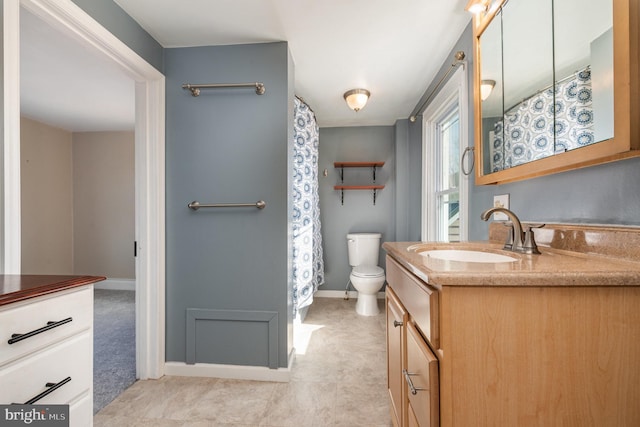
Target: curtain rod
column 459, row 59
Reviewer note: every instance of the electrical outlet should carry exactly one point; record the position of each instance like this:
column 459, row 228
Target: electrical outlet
column 500, row 201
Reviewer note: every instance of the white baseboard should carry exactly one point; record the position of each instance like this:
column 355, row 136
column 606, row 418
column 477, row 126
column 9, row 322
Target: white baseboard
column 236, row 372
column 340, row 294
column 117, row 284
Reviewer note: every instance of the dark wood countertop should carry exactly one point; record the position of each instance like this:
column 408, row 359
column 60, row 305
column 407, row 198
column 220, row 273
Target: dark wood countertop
column 19, row 287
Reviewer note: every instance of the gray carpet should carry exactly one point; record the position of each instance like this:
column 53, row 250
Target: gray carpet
column 114, row 348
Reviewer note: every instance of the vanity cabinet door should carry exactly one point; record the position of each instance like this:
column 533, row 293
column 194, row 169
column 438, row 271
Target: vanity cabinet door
column 422, row 382
column 396, row 356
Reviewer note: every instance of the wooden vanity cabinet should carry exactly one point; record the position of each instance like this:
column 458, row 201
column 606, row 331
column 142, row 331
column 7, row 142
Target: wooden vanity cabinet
column 396, row 357
column 412, row 366
column 422, row 373
column 552, row 355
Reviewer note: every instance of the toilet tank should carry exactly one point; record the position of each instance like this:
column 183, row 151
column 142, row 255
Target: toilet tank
column 363, row 248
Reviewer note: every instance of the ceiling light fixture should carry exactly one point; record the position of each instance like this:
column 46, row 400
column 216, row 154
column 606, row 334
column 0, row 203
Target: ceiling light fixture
column 477, row 6
column 486, row 86
column 356, row 98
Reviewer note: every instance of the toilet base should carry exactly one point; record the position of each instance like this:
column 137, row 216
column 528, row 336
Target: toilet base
column 367, row 305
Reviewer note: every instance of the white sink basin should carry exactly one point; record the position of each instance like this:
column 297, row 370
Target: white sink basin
column 467, row 256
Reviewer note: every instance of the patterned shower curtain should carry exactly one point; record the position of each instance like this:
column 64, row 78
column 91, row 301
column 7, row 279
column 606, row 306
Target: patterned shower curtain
column 308, row 264
column 547, row 123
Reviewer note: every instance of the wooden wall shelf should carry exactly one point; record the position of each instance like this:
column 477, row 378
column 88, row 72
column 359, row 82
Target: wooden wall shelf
column 342, row 187
column 357, row 164
column 358, row 187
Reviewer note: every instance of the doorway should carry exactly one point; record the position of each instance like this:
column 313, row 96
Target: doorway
column 149, row 163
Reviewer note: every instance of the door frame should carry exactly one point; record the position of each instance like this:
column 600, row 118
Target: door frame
column 69, row 18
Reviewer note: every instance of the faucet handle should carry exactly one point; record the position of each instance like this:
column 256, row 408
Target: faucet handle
column 508, row 244
column 530, row 246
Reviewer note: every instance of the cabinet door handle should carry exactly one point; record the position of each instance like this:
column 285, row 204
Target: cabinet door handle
column 407, row 377
column 397, row 323
column 51, row 387
column 50, row 325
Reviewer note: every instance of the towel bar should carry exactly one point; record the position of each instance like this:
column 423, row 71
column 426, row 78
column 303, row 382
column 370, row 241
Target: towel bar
column 195, row 88
column 195, row 205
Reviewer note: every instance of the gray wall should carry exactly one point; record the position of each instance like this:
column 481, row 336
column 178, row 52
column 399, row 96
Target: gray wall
column 408, row 152
column 228, row 145
column 119, row 23
column 358, row 214
column 403, row 180
column 604, row 194
column 225, row 147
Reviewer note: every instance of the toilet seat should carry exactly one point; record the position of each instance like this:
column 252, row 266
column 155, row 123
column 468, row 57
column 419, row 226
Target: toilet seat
column 367, row 271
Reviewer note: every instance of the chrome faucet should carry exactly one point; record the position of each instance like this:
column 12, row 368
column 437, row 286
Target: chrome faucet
column 517, row 240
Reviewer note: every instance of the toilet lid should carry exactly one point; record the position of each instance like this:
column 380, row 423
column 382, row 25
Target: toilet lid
column 367, row 271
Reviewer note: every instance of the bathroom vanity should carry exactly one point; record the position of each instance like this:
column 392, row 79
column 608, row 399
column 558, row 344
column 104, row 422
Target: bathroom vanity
column 549, row 339
column 46, row 351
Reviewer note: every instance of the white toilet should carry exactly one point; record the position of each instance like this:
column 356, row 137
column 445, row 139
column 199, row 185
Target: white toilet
column 365, row 276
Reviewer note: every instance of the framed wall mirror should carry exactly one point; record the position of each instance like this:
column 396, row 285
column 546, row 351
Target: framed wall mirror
column 556, row 86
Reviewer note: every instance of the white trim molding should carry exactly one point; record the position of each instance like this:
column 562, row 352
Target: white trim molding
column 11, row 228
column 236, row 372
column 340, row 294
column 67, row 17
column 453, row 92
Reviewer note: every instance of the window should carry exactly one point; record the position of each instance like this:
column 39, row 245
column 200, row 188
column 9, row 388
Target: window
column 444, row 200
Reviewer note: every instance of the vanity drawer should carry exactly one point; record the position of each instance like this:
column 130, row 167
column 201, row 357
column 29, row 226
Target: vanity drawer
column 419, row 299
column 72, row 358
column 81, row 412
column 34, row 314
column 422, row 374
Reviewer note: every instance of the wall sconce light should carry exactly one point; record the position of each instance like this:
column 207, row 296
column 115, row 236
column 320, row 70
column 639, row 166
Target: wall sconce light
column 356, row 98
column 486, row 86
column 477, row 6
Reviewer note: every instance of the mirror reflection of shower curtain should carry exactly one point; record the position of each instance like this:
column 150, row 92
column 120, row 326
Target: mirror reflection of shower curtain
column 308, row 264
column 546, row 123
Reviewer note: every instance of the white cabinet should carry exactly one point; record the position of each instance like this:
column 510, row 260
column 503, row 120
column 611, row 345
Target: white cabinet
column 47, row 346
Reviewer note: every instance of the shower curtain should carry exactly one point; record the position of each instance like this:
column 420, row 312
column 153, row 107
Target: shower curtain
column 308, row 265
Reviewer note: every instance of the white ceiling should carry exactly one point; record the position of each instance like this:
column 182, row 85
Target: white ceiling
column 67, row 85
column 393, row 48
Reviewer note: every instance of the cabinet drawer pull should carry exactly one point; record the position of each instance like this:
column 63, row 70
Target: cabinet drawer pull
column 51, row 387
column 397, row 323
column 50, row 325
column 407, row 377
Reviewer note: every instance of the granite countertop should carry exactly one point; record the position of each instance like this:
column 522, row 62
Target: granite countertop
column 19, row 287
column 553, row 267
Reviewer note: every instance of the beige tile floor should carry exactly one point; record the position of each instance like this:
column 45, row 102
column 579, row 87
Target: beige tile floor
column 338, row 379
